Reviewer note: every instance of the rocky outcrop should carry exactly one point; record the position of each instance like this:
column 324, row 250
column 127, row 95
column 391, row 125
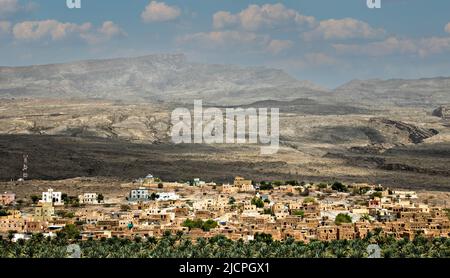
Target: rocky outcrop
column 442, row 112
column 402, row 132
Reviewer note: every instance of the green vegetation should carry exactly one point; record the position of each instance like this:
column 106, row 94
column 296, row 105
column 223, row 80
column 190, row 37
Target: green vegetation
column 322, row 185
column 305, row 192
column 70, row 200
column 365, row 217
column 70, row 231
column 35, row 199
column 360, row 190
column 65, row 214
column 293, row 183
column 268, row 211
column 342, row 218
column 298, row 212
column 176, row 246
column 258, row 202
column 377, row 194
column 265, row 186
column 308, row 200
column 200, row 224
column 338, row 186
column 278, row 183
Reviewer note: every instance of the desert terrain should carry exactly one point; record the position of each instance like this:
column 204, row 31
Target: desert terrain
column 111, row 119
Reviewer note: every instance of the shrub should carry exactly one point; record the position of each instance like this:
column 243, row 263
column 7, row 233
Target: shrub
column 338, row 186
column 342, row 218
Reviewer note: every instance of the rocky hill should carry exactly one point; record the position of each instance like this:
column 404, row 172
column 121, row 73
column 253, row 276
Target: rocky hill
column 155, row 77
column 425, row 92
column 442, row 112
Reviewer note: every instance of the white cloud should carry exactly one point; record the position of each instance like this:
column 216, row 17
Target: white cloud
column 255, row 17
column 160, row 11
column 447, row 28
column 35, row 30
column 223, row 19
column 278, row 46
column 5, row 28
column 110, row 29
column 104, row 33
column 347, row 28
column 8, row 7
column 55, row 30
column 235, row 40
column 224, row 39
column 393, row 45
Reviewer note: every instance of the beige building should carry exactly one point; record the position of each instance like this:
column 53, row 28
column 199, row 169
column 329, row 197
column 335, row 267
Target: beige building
column 44, row 211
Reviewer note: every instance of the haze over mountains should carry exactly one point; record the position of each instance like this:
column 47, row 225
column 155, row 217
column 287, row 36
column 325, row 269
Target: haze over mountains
column 171, row 77
column 154, row 77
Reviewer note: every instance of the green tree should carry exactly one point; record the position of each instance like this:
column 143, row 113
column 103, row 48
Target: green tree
column 208, row 225
column 258, row 202
column 365, row 217
column 298, row 212
column 377, row 194
column 11, row 235
column 265, row 186
column 342, row 218
column 338, row 186
column 309, row 200
column 35, row 199
column 70, row 231
column 292, row 182
column 263, row 237
column 193, row 224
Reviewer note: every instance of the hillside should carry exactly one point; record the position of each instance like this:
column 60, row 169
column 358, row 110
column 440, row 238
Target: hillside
column 149, row 78
column 425, row 92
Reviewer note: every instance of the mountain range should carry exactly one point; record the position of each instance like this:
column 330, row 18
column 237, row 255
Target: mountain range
column 172, row 78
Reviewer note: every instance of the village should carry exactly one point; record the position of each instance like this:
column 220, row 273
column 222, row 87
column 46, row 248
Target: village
column 240, row 210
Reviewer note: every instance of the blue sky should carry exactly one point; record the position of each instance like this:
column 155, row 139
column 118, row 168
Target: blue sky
column 326, row 41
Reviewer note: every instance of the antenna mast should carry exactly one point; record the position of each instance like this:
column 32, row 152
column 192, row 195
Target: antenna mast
column 25, row 167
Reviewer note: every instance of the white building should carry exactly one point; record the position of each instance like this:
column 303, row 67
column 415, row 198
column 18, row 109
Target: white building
column 168, row 196
column 140, row 194
column 88, row 198
column 52, row 197
column 198, row 182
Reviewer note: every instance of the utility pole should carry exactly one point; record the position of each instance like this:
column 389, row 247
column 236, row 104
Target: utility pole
column 25, row 167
